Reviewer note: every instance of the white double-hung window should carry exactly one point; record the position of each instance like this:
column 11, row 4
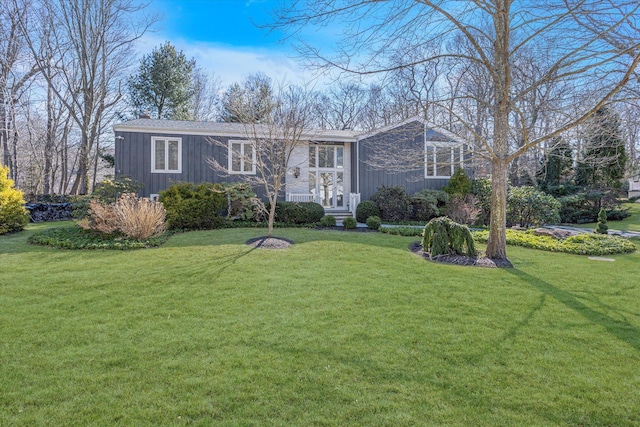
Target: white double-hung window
column 166, row 155
column 442, row 160
column 242, row 157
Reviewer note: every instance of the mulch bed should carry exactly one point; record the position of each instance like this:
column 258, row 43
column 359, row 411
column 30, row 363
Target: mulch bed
column 266, row 242
column 416, row 248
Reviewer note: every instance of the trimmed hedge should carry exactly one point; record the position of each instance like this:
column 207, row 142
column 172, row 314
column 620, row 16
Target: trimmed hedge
column 299, row 212
column 582, row 244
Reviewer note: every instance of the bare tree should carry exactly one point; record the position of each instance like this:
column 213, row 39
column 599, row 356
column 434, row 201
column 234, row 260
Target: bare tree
column 91, row 46
column 270, row 144
column 590, row 46
column 205, row 103
column 17, row 70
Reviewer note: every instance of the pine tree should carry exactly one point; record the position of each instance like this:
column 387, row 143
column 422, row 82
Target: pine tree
column 164, row 84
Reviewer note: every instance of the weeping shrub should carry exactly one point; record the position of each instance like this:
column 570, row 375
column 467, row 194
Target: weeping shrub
column 442, row 236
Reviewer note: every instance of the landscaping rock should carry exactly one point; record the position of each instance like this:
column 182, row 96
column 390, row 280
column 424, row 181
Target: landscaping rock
column 554, row 233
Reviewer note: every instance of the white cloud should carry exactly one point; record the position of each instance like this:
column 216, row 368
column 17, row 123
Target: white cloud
column 232, row 64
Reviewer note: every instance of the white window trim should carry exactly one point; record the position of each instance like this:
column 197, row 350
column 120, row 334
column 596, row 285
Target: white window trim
column 166, row 154
column 434, row 163
column 243, row 158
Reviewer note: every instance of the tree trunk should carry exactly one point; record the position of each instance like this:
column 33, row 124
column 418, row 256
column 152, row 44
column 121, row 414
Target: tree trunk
column 48, row 148
column 497, row 245
column 272, row 217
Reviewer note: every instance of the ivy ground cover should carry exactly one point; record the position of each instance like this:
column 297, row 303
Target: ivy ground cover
column 340, row 329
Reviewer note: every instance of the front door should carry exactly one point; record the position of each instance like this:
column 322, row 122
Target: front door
column 326, row 175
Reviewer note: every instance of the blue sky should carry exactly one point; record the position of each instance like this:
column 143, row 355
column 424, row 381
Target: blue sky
column 222, row 37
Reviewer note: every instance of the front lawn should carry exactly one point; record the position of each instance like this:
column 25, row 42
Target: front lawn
column 340, row 329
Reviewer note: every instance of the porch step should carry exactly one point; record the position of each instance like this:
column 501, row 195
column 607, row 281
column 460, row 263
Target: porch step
column 339, row 215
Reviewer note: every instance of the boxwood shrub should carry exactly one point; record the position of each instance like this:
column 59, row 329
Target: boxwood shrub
column 349, row 223
column 373, row 222
column 366, row 209
column 328, row 221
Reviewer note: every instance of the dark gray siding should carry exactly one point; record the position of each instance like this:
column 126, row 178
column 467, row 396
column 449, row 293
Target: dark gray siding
column 371, row 177
column 133, row 159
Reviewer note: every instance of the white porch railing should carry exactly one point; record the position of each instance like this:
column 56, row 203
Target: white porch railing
column 300, row 197
column 354, row 201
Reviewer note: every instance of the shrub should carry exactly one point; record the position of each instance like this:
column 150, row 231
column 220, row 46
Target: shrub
column 100, row 217
column 582, row 244
column 328, row 221
column 527, row 206
column 393, row 202
column 242, row 202
column 13, row 215
column 428, row 204
column 481, row 188
column 139, row 218
column 602, row 222
column 299, row 212
column 443, row 236
column 459, row 183
column 403, row 231
column 366, row 209
column 373, row 222
column 464, row 209
column 349, row 223
column 194, row 207
column 583, row 207
column 111, row 188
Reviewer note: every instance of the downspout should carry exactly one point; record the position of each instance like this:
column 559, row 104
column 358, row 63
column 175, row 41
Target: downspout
column 357, row 142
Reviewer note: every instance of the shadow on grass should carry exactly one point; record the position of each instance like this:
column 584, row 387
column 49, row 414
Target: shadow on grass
column 235, row 236
column 622, row 330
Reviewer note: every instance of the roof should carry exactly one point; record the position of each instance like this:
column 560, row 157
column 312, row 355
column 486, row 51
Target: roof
column 222, row 129
column 241, row 129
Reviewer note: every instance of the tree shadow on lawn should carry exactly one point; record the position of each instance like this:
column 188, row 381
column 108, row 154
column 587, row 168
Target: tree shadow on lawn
column 621, row 329
column 237, row 236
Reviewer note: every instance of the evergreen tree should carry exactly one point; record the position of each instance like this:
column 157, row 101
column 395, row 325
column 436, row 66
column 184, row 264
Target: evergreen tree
column 604, row 160
column 164, row 84
column 556, row 164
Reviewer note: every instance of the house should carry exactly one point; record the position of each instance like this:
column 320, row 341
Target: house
column 336, row 168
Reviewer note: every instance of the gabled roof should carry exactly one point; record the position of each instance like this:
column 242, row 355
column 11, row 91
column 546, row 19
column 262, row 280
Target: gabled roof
column 222, row 129
column 441, row 134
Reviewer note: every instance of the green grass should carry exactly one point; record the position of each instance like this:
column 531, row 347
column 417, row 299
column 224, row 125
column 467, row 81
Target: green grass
column 631, row 223
column 340, row 329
